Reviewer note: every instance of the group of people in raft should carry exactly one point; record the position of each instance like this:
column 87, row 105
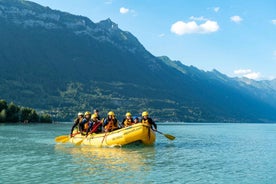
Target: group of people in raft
column 91, row 123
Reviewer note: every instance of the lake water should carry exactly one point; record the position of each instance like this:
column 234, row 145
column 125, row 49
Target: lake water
column 201, row 153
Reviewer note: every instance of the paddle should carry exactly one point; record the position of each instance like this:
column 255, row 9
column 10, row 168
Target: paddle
column 60, row 138
column 79, row 142
column 64, row 138
column 166, row 135
column 108, row 125
column 93, row 130
column 103, row 138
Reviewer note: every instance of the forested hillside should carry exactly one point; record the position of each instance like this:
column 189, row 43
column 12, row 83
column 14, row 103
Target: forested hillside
column 13, row 113
column 63, row 64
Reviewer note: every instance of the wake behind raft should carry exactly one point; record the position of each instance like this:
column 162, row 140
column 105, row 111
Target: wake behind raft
column 131, row 134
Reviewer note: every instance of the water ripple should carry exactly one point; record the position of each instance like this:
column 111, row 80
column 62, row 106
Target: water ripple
column 201, row 153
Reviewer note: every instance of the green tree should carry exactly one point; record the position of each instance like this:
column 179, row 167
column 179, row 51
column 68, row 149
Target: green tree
column 45, row 118
column 25, row 112
column 29, row 115
column 3, row 105
column 3, row 115
column 12, row 113
column 34, row 116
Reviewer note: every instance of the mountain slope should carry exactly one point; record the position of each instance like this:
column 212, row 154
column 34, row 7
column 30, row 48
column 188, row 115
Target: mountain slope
column 65, row 63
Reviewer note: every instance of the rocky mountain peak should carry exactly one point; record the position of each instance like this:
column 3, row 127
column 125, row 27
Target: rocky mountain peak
column 108, row 24
column 29, row 15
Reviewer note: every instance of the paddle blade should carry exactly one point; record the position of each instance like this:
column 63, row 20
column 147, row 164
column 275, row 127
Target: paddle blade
column 169, row 136
column 60, row 138
column 166, row 135
column 79, row 142
column 65, row 140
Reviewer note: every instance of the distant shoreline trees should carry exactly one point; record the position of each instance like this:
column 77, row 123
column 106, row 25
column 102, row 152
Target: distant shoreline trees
column 12, row 113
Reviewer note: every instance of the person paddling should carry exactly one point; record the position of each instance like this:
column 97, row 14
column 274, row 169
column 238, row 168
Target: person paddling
column 127, row 121
column 77, row 122
column 85, row 122
column 96, row 111
column 148, row 121
column 111, row 123
column 94, row 125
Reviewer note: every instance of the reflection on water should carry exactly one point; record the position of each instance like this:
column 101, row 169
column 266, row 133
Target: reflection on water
column 211, row 153
column 110, row 162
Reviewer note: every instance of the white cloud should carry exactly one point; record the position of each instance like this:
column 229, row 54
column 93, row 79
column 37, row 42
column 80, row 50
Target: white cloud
column 198, row 18
column 124, row 10
column 248, row 73
column 181, row 28
column 253, row 75
column 209, row 26
column 236, row 19
column 216, row 9
column 242, row 71
column 274, row 21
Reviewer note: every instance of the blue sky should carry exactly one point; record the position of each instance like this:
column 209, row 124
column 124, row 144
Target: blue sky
column 236, row 37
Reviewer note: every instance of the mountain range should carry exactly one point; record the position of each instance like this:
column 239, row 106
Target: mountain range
column 62, row 63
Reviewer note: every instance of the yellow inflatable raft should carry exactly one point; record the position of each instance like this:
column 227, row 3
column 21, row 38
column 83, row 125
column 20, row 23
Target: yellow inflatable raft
column 134, row 133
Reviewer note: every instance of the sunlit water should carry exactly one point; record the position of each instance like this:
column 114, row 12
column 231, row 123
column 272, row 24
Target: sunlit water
column 201, row 153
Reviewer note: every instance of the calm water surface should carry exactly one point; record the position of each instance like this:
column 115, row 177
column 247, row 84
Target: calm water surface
column 201, row 153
